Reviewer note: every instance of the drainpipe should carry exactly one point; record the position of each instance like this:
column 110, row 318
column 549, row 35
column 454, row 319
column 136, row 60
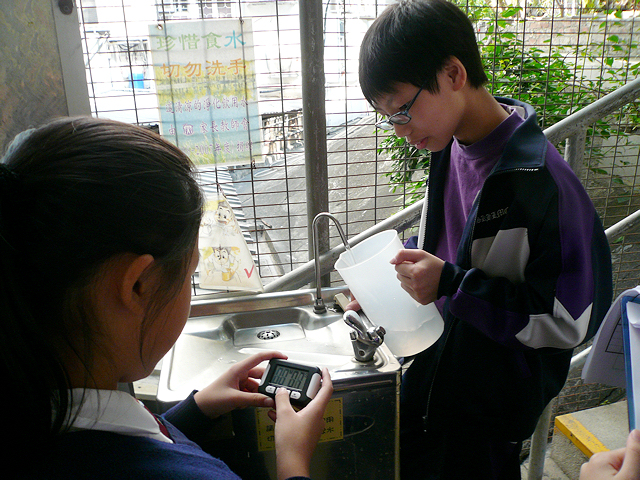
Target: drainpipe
column 314, row 121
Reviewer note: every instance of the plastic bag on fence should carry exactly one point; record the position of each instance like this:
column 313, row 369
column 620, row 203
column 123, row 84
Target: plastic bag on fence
column 225, row 260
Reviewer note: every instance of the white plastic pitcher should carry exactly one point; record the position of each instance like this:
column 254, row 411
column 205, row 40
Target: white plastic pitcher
column 410, row 326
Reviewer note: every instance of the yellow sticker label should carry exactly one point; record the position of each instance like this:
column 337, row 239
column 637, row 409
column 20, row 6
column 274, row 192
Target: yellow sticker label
column 333, row 425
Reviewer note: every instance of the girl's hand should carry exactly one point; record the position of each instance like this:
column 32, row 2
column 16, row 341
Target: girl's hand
column 298, row 433
column 621, row 464
column 237, row 387
column 419, row 274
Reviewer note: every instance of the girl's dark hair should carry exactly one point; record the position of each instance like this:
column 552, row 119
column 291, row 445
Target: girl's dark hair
column 410, row 43
column 75, row 193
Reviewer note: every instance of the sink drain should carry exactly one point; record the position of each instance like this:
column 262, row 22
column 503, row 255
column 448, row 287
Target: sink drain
column 268, row 334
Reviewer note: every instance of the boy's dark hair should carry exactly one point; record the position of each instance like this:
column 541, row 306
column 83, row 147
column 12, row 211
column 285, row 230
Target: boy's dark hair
column 410, row 43
column 74, row 194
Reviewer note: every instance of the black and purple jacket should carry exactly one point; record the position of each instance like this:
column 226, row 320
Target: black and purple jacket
column 531, row 281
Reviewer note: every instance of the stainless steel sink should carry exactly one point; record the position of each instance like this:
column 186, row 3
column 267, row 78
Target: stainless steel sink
column 224, row 331
column 221, row 332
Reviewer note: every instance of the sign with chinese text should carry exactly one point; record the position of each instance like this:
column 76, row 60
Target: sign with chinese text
column 206, row 87
column 333, row 425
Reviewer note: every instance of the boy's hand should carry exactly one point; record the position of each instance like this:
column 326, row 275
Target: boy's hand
column 419, row 274
column 353, row 305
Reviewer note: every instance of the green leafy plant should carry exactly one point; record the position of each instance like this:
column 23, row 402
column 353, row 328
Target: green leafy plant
column 556, row 78
column 409, row 169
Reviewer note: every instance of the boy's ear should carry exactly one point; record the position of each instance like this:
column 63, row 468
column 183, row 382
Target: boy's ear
column 136, row 281
column 455, row 73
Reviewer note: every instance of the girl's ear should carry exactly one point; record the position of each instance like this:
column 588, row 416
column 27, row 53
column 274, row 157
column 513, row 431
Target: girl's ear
column 455, row 73
column 136, row 281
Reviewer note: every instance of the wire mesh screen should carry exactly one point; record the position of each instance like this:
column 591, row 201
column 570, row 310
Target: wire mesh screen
column 557, row 57
column 271, row 187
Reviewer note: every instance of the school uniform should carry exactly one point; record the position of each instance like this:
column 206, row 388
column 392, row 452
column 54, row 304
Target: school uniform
column 527, row 277
column 113, row 436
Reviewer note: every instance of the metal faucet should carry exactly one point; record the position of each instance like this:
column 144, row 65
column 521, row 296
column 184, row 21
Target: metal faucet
column 366, row 338
column 318, row 305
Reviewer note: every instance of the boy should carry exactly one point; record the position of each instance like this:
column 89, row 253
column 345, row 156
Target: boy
column 510, row 248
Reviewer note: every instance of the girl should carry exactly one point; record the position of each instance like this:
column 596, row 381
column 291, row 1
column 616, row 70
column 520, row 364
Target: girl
column 98, row 241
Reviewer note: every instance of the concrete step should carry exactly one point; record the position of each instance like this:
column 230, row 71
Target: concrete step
column 579, row 435
column 551, row 469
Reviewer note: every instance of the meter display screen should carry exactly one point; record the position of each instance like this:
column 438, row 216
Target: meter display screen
column 302, row 381
column 285, row 376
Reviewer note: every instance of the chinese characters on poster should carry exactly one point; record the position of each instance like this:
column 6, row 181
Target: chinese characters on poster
column 206, row 86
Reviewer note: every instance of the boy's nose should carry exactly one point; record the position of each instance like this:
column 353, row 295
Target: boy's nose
column 402, row 130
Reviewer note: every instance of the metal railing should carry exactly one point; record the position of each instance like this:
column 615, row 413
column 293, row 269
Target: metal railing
column 304, row 274
column 574, row 130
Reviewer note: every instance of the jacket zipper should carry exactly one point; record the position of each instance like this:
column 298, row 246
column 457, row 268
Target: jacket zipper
column 433, row 378
column 423, row 217
column 479, row 198
column 454, row 320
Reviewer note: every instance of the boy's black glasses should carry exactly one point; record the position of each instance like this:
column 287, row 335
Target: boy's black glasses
column 400, row 118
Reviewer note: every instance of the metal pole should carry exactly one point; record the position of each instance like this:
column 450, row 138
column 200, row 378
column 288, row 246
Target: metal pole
column 574, row 151
column 314, row 120
column 538, row 447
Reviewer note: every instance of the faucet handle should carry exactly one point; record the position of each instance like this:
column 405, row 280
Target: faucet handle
column 365, row 340
column 376, row 335
column 367, row 332
column 352, row 319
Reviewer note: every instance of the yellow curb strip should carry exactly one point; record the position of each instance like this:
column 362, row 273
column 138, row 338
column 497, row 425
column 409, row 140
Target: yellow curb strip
column 582, row 438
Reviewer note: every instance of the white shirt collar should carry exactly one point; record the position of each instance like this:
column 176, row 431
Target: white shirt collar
column 113, row 411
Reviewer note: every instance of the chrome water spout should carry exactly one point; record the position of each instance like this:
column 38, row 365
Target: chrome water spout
column 366, row 337
column 318, row 306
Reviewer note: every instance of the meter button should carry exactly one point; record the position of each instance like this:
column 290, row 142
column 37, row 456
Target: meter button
column 270, row 389
column 295, row 395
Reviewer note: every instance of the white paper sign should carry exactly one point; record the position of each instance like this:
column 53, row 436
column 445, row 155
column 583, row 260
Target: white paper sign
column 225, row 260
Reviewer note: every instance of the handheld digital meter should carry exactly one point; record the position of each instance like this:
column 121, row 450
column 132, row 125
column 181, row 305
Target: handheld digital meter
column 302, row 381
